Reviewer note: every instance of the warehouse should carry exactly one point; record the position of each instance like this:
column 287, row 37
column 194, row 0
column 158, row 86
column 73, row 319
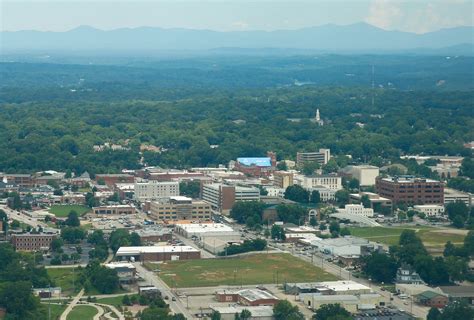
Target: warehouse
column 201, row 230
column 351, row 303
column 258, row 312
column 247, row 297
column 158, row 253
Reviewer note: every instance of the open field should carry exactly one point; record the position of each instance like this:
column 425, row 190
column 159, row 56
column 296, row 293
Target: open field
column 434, row 239
column 248, row 270
column 56, row 310
column 114, row 301
column 82, row 313
column 62, row 211
column 63, row 277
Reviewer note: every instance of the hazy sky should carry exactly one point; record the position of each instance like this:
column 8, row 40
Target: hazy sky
column 60, row 15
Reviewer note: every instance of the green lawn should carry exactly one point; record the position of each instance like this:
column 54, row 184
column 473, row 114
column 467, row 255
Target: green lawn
column 81, row 312
column 433, row 238
column 114, row 301
column 63, row 277
column 62, row 211
column 254, row 269
column 56, row 310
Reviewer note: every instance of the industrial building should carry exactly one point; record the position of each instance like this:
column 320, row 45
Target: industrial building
column 154, row 235
column 158, row 253
column 180, row 208
column 352, row 303
column 201, row 230
column 410, row 190
column 322, row 157
column 345, row 246
column 247, row 297
column 258, row 312
column 149, row 190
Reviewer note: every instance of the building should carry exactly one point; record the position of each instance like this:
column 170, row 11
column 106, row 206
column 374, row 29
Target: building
column 154, row 235
column 247, row 297
column 430, row 210
column 52, row 292
column 325, row 194
column 201, row 230
column 111, row 179
column 322, row 157
column 453, row 195
column 410, row 190
column 222, row 197
column 366, row 174
column 158, row 253
column 459, row 292
column 407, row 274
column 317, row 119
column 125, row 190
column 19, row 179
column 345, row 246
column 432, row 299
column 32, row 241
column 282, row 179
column 115, row 209
column 180, row 208
column 357, row 209
column 351, row 302
column 149, row 190
column 126, row 271
column 258, row 312
column 328, row 181
column 257, row 167
column 173, row 175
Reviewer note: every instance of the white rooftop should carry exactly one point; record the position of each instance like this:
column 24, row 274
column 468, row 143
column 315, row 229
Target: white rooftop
column 344, row 285
column 204, row 227
column 115, row 265
column 130, row 251
column 257, row 311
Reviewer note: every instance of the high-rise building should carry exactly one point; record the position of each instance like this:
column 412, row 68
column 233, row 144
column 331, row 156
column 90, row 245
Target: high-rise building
column 180, row 208
column 222, row 197
column 149, row 190
column 322, row 157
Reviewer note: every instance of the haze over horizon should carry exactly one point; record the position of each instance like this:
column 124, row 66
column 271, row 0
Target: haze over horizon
column 395, row 15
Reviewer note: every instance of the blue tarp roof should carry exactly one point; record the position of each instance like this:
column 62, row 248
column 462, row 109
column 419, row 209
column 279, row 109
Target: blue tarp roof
column 259, row 162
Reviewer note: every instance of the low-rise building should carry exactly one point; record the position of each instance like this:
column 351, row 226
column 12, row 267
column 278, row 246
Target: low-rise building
column 357, row 209
column 247, row 297
column 453, row 195
column 283, row 179
column 376, row 201
column 180, row 208
column 465, row 292
column 154, row 235
column 201, row 230
column 432, row 299
column 111, row 179
column 352, row 303
column 258, row 312
column 433, row 210
column 407, row 274
column 158, row 253
column 345, row 246
column 32, row 241
column 126, row 271
column 328, row 181
column 115, row 209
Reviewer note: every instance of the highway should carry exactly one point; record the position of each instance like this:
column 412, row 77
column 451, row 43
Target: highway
column 152, row 279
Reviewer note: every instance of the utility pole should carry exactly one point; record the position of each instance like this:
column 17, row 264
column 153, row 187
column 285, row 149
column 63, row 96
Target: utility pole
column 49, row 302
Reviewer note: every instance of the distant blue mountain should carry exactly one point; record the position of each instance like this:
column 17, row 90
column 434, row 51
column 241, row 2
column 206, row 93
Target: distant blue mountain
column 359, row 37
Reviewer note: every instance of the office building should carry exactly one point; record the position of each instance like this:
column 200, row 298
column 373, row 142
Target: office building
column 453, row 195
column 328, row 181
column 282, row 179
column 430, row 210
column 410, row 190
column 180, row 208
column 115, row 209
column 222, row 197
column 149, row 190
column 365, row 174
column 32, row 242
column 322, row 157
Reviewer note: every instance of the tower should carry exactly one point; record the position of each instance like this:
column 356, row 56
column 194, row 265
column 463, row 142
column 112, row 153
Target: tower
column 318, row 118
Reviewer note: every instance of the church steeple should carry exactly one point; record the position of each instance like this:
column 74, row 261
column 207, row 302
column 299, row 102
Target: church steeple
column 317, row 115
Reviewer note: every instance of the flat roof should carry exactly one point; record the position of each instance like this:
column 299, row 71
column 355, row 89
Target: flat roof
column 180, row 198
column 115, row 265
column 344, row 285
column 258, row 161
column 257, row 311
column 346, row 298
column 205, row 227
column 130, row 251
column 256, row 294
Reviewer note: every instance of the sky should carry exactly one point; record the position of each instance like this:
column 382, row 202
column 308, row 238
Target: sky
column 419, row 16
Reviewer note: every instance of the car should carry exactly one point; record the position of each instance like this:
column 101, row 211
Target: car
column 173, row 299
column 166, row 297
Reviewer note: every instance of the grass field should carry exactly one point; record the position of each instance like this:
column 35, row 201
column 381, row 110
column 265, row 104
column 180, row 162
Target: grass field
column 63, row 277
column 62, row 211
column 82, row 313
column 56, row 310
column 114, row 301
column 254, row 269
column 434, row 239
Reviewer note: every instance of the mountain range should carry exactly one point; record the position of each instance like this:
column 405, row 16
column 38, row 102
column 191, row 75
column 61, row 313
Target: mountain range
column 359, row 37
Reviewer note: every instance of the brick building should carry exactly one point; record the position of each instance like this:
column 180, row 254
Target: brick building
column 257, row 167
column 111, row 179
column 247, row 297
column 410, row 190
column 158, row 253
column 115, row 209
column 32, row 242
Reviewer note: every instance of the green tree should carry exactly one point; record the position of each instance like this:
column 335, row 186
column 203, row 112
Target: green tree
column 277, row 232
column 284, row 310
column 345, row 232
column 457, row 209
column 242, row 210
column 456, row 310
column 380, row 267
column 315, row 197
column 135, row 239
column 342, row 197
column 297, row 193
column 310, row 167
column 126, row 300
column 56, row 244
column 353, row 184
column 73, row 219
column 313, row 222
column 332, row 312
column 433, row 314
column 215, row 315
column 365, row 201
column 449, row 249
column 469, row 243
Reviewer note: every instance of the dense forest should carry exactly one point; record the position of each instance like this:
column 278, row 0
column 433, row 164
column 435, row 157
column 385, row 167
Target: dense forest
column 51, row 115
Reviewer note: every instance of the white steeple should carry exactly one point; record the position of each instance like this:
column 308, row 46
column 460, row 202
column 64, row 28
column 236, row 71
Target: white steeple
column 317, row 115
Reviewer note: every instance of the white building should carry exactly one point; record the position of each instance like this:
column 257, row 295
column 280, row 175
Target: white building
column 328, row 181
column 357, row 209
column 321, row 157
column 430, row 210
column 453, row 195
column 346, row 246
column 202, row 230
column 147, row 190
column 258, row 312
column 275, row 192
column 365, row 174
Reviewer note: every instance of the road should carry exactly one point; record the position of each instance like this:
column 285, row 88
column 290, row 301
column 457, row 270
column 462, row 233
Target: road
column 317, row 259
column 151, row 278
column 12, row 214
column 71, row 305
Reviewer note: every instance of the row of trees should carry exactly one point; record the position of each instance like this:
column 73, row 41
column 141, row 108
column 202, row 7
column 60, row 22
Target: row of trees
column 246, row 246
